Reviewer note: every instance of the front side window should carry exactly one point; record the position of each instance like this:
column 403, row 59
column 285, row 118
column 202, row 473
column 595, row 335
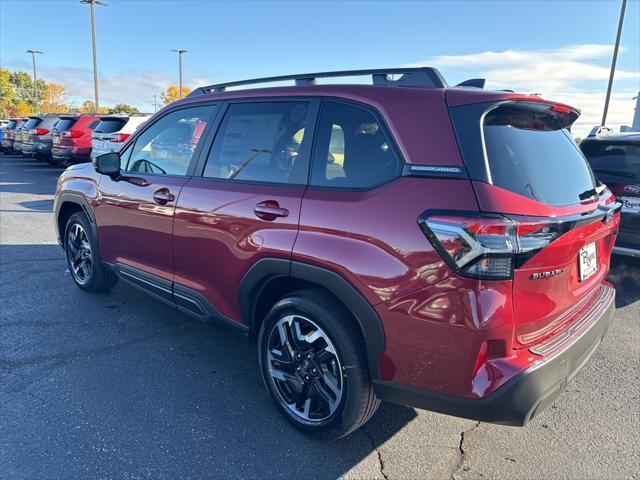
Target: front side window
column 261, row 142
column 167, row 146
column 352, row 149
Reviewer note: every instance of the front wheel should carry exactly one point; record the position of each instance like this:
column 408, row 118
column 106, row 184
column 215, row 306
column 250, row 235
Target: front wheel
column 83, row 258
column 313, row 362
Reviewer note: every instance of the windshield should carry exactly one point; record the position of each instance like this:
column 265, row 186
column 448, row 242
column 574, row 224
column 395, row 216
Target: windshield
column 620, row 159
column 531, row 156
column 64, row 124
column 31, row 123
column 110, row 125
column 11, row 125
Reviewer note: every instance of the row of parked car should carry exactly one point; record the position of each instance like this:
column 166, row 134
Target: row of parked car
column 64, row 139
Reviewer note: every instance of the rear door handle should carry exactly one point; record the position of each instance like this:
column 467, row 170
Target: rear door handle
column 270, row 210
column 163, row 196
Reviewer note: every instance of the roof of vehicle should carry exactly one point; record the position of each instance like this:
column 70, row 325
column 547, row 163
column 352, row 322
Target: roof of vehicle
column 613, row 137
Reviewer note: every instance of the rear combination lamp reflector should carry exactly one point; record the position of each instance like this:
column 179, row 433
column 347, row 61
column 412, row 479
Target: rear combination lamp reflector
column 487, row 246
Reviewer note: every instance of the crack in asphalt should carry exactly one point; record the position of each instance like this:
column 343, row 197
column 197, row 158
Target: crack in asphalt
column 462, row 455
column 378, row 453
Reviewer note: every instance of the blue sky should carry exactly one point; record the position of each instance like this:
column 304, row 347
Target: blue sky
column 560, row 49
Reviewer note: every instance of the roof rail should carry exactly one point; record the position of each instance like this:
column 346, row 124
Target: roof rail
column 411, row 77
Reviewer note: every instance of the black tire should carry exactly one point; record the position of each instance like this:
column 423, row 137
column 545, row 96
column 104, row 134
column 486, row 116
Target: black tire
column 358, row 401
column 97, row 277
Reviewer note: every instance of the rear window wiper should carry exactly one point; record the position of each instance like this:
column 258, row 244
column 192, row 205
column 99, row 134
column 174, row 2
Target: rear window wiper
column 587, row 194
column 620, row 173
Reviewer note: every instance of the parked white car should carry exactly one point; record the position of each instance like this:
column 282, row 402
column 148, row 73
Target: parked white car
column 113, row 130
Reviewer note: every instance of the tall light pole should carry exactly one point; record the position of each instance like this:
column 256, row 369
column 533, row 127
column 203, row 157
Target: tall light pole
column 155, row 103
column 35, row 75
column 613, row 62
column 179, row 52
column 91, row 3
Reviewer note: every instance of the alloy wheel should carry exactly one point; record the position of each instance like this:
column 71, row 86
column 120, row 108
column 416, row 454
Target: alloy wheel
column 305, row 368
column 79, row 254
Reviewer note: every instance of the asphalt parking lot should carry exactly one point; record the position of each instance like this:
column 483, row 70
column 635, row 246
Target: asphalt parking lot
column 118, row 385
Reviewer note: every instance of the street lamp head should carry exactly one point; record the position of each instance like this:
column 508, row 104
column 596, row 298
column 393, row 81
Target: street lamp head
column 178, row 50
column 95, row 2
column 34, row 52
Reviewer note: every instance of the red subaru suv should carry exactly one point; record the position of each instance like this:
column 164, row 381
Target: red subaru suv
column 71, row 138
column 439, row 247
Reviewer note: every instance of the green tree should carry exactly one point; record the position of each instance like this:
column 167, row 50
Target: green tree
column 124, row 108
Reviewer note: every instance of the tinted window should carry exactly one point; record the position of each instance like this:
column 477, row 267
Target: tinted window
column 620, row 159
column 64, row 124
column 11, row 124
column 111, row 125
column 93, row 124
column 32, row 123
column 529, row 157
column 352, row 149
column 167, row 146
column 261, row 142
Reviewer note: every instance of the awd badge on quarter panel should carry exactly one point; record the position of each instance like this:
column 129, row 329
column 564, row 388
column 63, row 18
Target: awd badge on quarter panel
column 550, row 273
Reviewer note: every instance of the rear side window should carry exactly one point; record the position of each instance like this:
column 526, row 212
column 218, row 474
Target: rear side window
column 618, row 159
column 527, row 150
column 64, row 124
column 93, row 124
column 352, row 149
column 260, row 142
column 110, row 125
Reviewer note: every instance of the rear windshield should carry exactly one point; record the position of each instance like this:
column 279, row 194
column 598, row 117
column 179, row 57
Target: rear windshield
column 11, row 125
column 524, row 147
column 111, row 125
column 620, row 159
column 64, row 124
column 32, row 123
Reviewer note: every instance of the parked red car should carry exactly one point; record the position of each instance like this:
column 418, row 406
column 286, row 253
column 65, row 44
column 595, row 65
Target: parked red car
column 72, row 137
column 440, row 247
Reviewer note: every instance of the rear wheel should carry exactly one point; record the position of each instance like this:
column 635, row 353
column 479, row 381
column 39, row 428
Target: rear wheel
column 83, row 258
column 313, row 361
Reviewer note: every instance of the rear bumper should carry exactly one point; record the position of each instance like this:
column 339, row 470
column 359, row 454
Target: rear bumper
column 36, row 148
column 529, row 392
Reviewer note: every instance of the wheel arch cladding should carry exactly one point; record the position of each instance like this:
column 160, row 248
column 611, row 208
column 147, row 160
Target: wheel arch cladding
column 68, row 204
column 292, row 276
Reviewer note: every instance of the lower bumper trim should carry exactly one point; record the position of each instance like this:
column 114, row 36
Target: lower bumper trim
column 519, row 400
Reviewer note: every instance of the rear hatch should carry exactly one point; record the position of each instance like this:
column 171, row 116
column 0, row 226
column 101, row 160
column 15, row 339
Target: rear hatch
column 107, row 136
column 59, row 135
column 31, row 129
column 616, row 163
column 554, row 224
column 9, row 130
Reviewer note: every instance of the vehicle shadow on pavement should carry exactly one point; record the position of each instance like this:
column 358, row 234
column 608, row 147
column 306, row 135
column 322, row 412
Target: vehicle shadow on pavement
column 40, row 177
column 625, row 275
column 120, row 385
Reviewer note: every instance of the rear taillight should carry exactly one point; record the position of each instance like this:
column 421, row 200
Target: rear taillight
column 71, row 134
column 120, row 137
column 39, row 131
column 487, row 246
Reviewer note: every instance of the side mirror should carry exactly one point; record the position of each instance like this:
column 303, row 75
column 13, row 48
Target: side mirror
column 108, row 164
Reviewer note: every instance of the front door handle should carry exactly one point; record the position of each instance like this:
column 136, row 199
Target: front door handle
column 270, row 210
column 163, row 196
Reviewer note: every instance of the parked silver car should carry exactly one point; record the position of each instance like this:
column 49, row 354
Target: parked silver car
column 37, row 140
column 113, row 130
